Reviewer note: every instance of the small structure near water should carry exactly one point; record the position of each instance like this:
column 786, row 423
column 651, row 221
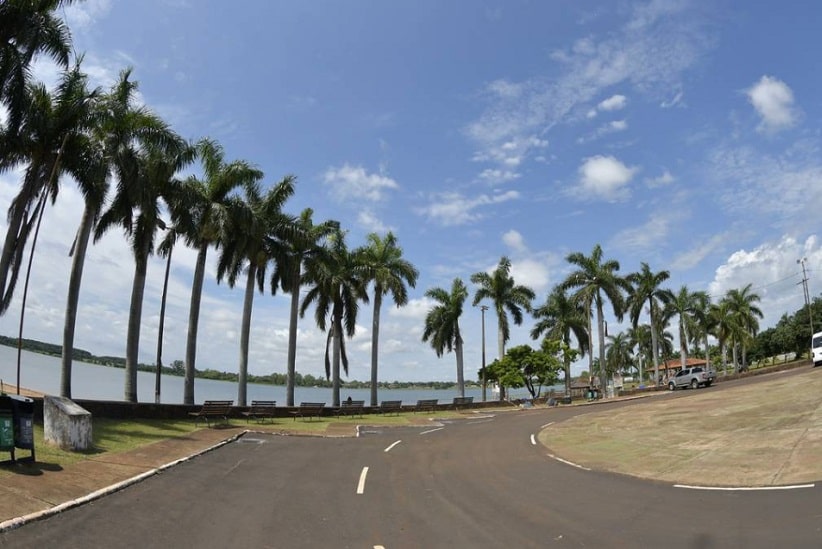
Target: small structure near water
column 66, row 424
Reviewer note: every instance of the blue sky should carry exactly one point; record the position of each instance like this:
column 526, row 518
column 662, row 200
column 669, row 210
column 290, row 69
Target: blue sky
column 682, row 134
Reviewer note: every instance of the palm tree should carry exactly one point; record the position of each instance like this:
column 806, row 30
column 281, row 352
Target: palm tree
column 742, row 307
column 701, row 323
column 500, row 288
column 646, row 288
column 683, row 305
column 28, row 29
column 165, row 250
column 384, row 266
column 640, row 339
column 252, row 228
column 209, row 199
column 595, row 280
column 618, row 355
column 136, row 209
column 442, row 326
column 289, row 260
column 52, row 140
column 560, row 318
column 723, row 328
column 336, row 285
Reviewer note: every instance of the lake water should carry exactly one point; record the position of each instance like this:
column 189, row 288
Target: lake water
column 94, row 382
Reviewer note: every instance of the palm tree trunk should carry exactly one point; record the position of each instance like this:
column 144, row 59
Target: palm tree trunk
column 75, row 278
column 501, row 349
column 245, row 331
column 134, row 319
column 460, row 376
column 159, row 374
column 654, row 346
column 335, row 361
column 292, row 344
column 11, row 248
column 603, row 377
column 683, row 343
column 707, row 353
column 375, row 338
column 193, row 319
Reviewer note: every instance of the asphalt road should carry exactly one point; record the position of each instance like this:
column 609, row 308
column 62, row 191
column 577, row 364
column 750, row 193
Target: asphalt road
column 480, row 482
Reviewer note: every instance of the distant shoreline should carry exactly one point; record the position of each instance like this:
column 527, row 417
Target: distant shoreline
column 51, row 349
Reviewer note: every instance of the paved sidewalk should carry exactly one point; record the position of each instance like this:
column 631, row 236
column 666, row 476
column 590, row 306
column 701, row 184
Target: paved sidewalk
column 38, row 489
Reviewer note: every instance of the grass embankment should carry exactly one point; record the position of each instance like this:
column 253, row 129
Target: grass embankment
column 764, row 434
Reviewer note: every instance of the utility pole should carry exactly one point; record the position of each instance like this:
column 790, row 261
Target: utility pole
column 483, row 308
column 805, row 291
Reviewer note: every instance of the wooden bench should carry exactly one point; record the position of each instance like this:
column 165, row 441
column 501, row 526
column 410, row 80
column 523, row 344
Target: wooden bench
column 213, row 409
column 350, row 407
column 390, row 406
column 426, row 404
column 462, row 401
column 260, row 409
column 308, row 410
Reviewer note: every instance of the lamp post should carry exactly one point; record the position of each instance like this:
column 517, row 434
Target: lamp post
column 805, row 292
column 483, row 308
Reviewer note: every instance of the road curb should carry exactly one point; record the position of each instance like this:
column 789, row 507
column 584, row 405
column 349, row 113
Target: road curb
column 17, row 522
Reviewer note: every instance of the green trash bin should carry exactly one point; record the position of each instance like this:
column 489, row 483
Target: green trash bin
column 23, row 415
column 6, row 425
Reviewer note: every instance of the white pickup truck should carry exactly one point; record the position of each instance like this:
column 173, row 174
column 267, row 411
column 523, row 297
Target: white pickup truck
column 692, row 377
column 816, row 349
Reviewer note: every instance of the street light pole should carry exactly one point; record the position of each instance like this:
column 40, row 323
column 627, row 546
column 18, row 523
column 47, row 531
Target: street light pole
column 483, row 308
column 805, row 292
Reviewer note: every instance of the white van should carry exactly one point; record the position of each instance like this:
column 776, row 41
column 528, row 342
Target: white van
column 816, row 349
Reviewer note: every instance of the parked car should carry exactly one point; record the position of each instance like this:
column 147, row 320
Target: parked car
column 692, row 377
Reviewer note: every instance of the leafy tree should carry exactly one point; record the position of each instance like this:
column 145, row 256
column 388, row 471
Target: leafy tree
column 507, row 297
column 646, row 288
column 442, row 327
column 337, row 287
column 523, row 366
column 208, row 201
column 382, row 264
column 291, row 256
column 559, row 318
column 595, row 280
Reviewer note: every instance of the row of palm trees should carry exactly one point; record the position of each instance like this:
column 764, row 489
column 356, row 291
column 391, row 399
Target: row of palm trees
column 568, row 312
column 127, row 162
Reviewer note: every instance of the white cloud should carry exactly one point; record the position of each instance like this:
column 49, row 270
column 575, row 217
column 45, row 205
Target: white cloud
column 773, row 271
column 613, row 103
column 493, row 176
column 354, row 183
column 661, row 180
column 83, row 15
column 611, row 127
column 452, row 208
column 369, row 220
column 604, row 177
column 774, row 102
column 702, row 248
column 644, row 238
column 649, row 53
column 514, row 240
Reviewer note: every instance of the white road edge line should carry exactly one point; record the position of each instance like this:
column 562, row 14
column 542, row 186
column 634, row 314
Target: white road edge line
column 361, row 484
column 547, row 425
column 432, row 430
column 533, row 440
column 379, row 547
column 566, row 462
column 744, row 488
column 389, row 448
